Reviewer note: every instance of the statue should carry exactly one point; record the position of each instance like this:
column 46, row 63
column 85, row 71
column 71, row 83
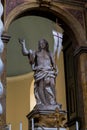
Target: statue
column 45, row 72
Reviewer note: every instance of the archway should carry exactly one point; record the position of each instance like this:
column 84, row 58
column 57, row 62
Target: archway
column 65, row 19
column 29, row 27
column 52, row 12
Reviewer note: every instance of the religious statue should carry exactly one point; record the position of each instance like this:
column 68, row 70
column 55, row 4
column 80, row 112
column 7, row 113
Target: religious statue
column 45, row 72
column 47, row 113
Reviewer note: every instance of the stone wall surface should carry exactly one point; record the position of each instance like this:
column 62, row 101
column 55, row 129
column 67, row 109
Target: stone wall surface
column 79, row 15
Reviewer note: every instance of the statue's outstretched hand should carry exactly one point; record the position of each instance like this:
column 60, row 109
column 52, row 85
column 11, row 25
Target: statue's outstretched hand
column 21, row 41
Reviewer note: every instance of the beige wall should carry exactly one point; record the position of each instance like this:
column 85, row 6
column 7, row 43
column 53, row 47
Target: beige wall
column 17, row 100
column 60, row 82
column 19, row 96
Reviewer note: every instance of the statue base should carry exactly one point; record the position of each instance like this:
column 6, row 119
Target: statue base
column 46, row 119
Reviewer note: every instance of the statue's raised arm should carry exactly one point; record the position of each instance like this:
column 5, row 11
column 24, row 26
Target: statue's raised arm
column 24, row 49
column 29, row 53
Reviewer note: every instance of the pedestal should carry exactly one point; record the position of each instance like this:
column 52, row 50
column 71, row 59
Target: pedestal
column 46, row 120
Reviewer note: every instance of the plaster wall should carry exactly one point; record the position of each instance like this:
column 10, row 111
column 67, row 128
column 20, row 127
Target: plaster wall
column 17, row 101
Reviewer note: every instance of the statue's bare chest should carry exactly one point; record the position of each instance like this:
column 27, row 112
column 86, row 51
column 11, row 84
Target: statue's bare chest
column 43, row 55
column 43, row 58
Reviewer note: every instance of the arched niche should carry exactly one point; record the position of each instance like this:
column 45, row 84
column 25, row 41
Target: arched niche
column 72, row 28
column 68, row 22
column 43, row 23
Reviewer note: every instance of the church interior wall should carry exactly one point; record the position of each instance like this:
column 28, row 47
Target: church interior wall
column 74, row 13
column 19, row 99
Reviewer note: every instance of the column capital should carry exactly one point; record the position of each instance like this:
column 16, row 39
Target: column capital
column 5, row 38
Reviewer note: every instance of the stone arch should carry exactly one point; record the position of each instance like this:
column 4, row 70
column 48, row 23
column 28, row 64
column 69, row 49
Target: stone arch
column 70, row 21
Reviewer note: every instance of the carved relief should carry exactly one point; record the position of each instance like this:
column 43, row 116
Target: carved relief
column 47, row 119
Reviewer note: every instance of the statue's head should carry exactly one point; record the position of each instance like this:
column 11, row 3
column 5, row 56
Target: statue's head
column 43, row 44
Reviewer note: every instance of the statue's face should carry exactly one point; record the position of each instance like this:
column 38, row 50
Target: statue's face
column 42, row 44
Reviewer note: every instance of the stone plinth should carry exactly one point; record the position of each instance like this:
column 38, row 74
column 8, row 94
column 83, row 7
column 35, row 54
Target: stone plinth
column 48, row 119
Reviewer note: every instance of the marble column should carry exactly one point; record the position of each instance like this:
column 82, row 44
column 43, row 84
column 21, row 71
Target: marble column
column 5, row 39
column 2, row 119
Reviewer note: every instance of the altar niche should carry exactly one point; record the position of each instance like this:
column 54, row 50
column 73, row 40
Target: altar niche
column 47, row 112
column 76, row 33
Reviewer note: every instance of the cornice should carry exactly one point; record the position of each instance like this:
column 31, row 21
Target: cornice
column 73, row 2
column 5, row 38
column 78, row 51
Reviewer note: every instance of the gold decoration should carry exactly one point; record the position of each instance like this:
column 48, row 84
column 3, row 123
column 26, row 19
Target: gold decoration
column 53, row 119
